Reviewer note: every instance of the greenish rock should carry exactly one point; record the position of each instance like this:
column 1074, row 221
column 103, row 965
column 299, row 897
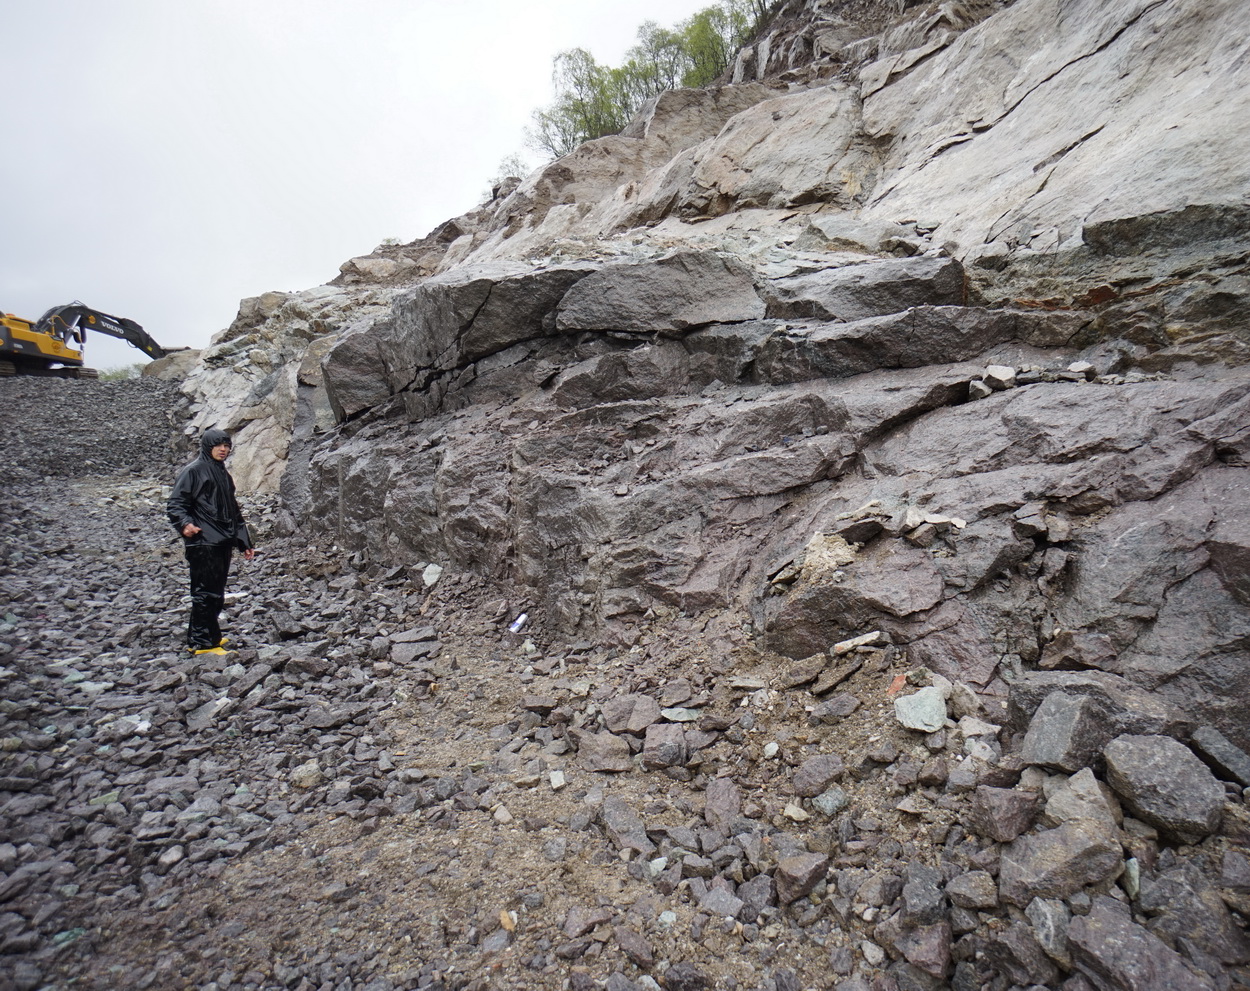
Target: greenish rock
column 831, row 801
column 925, row 711
column 68, row 936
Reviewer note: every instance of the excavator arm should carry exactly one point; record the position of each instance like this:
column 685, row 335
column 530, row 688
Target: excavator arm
column 68, row 323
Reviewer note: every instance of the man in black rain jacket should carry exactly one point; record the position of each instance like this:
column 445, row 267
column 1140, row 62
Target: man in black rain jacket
column 203, row 510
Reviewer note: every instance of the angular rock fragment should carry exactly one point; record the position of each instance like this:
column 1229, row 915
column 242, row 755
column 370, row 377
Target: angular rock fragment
column 1083, row 797
column 624, row 827
column 721, row 902
column 1015, row 951
column 687, row 977
column 630, row 713
column 923, row 901
column 833, row 709
column 406, row 652
column 1183, row 905
column 1057, row 863
column 805, row 672
column 923, row 711
column 816, row 774
column 999, row 377
column 975, row 890
column 307, row 775
column 582, row 920
column 1050, row 918
column 872, row 639
column 1002, row 814
column 928, row 948
column 1127, row 708
column 1066, row 733
column 1229, row 762
column 1077, row 649
column 796, row 876
column 603, row 752
column 722, row 804
column 757, row 894
column 634, row 946
column 1164, row 784
column 1114, row 952
column 664, row 746
column 415, row 634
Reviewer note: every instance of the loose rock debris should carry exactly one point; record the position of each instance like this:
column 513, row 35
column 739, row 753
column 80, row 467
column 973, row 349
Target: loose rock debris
column 383, row 788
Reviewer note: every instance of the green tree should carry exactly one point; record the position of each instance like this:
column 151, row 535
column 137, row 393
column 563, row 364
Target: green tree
column 593, row 100
column 713, row 36
column 122, row 372
column 514, row 166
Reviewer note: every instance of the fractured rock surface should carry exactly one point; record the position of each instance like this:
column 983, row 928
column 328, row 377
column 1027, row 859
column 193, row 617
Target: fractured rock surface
column 908, row 366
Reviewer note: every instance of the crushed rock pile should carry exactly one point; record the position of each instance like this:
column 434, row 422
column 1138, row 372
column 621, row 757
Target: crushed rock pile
column 64, row 428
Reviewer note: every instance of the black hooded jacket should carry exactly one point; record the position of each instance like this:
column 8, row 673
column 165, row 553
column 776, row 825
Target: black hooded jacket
column 204, row 495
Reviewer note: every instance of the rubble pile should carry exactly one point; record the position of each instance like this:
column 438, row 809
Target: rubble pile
column 63, row 428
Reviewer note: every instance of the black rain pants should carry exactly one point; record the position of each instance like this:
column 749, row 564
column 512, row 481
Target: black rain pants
column 210, row 566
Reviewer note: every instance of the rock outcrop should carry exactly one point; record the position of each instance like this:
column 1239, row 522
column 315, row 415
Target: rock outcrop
column 952, row 283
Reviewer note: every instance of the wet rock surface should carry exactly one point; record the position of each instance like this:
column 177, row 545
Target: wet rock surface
column 382, row 787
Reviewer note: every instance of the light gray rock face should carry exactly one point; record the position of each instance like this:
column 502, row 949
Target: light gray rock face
column 998, row 135
column 1163, row 783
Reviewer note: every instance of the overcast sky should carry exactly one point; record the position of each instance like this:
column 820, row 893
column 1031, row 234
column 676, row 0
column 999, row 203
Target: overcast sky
column 163, row 159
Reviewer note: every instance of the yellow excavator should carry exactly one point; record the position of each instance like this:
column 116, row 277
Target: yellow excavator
column 53, row 344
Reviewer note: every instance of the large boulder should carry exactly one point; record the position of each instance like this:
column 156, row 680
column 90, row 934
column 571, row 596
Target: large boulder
column 1163, row 783
column 1113, row 951
column 668, row 296
column 1058, row 862
column 869, row 289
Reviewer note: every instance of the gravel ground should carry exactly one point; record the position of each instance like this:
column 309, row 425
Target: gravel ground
column 66, row 428
column 383, row 788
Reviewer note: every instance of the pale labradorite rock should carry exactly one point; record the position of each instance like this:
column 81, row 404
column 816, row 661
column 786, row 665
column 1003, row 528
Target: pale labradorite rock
column 924, row 711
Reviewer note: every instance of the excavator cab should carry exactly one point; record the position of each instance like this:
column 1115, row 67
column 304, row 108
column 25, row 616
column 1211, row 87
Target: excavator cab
column 27, row 349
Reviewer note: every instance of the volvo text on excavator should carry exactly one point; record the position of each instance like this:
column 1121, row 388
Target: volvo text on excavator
column 53, row 344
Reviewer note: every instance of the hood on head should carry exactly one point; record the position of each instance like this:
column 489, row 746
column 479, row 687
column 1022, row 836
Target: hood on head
column 211, row 438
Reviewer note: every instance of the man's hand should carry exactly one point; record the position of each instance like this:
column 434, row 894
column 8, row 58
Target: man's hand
column 190, row 530
column 249, row 553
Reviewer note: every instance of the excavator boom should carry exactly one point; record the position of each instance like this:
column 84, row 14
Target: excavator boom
column 63, row 320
